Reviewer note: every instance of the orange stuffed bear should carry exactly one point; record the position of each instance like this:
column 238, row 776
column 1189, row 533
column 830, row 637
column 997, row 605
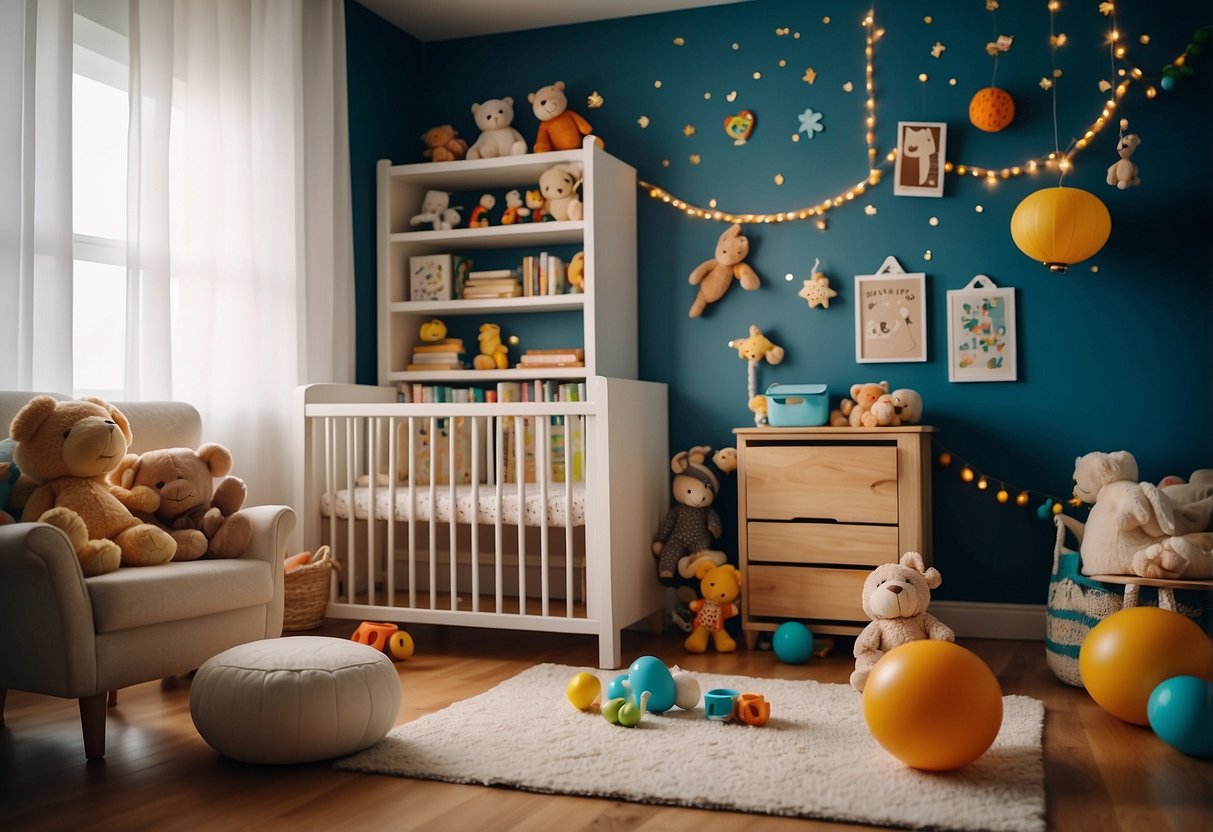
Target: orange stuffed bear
column 559, row 127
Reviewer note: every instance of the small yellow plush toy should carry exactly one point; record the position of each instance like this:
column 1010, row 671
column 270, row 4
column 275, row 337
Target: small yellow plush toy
column 715, row 276
column 493, row 353
column 720, row 587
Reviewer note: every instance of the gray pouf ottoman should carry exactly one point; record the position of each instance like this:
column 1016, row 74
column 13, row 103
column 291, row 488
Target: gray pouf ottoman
column 295, row 700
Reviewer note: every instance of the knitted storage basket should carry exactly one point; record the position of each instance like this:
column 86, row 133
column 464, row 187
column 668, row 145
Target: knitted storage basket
column 306, row 592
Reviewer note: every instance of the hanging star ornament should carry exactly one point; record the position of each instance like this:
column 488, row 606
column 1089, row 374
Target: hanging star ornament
column 1046, row 83
column 594, row 100
column 810, row 123
column 991, row 5
column 1104, row 86
column 938, row 49
column 1106, row 9
column 817, row 291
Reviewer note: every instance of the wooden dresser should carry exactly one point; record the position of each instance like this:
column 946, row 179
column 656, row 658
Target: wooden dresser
column 817, row 509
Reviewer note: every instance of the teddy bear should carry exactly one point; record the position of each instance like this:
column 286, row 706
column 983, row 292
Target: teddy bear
column 558, row 185
column 1123, row 173
column 436, row 209
column 720, row 586
column 715, row 276
column 895, row 597
column 1137, row 528
column 442, row 144
column 559, row 127
column 202, row 516
column 857, row 410
column 691, row 524
column 66, row 448
column 515, row 211
column 497, row 137
column 493, row 353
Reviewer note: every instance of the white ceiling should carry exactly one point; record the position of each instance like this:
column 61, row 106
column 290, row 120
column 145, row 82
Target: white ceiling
column 428, row 20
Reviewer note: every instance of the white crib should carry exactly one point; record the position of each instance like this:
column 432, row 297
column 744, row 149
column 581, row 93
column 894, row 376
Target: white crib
column 530, row 516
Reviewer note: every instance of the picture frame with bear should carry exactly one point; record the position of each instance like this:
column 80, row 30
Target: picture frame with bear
column 921, row 151
column 890, row 315
column 981, row 332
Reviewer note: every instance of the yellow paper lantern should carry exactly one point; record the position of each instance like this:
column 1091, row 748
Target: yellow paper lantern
column 1060, row 226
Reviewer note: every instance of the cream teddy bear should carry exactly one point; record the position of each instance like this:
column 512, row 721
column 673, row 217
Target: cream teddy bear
column 1136, row 528
column 1123, row 172
column 895, row 597
column 559, row 185
column 715, row 276
column 497, row 137
column 857, row 410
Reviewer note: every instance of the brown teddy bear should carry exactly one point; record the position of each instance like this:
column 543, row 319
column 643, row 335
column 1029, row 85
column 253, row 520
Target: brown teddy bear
column 720, row 587
column 204, row 518
column 442, row 144
column 67, row 448
column 895, row 597
column 559, row 127
column 857, row 410
column 715, row 276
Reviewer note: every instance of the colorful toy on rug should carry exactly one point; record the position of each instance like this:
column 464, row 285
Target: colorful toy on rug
column 202, row 515
column 720, row 587
column 754, row 349
column 442, row 144
column 933, row 705
column 792, row 643
column 625, row 712
column 691, row 524
column 1138, row 528
column 895, row 597
column 497, row 137
column 66, row 449
column 715, row 276
column 401, row 646
column 559, row 185
column 720, row 704
column 1130, row 653
column 753, row 709
column 437, row 211
column 482, row 214
column 1123, row 174
column 559, row 127
column 494, row 355
column 584, row 692
column 515, row 211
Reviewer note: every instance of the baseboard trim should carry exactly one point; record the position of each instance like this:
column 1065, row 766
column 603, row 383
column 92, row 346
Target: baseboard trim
column 971, row 619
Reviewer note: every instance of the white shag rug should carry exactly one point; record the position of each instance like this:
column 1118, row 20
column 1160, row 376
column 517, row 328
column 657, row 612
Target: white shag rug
column 814, row 759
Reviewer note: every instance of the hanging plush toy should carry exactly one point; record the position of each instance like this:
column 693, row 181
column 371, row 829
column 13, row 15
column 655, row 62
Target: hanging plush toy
column 754, row 349
column 1123, row 174
column 715, row 276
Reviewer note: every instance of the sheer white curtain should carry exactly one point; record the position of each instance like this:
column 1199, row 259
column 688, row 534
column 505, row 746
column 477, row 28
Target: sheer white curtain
column 240, row 270
column 35, row 195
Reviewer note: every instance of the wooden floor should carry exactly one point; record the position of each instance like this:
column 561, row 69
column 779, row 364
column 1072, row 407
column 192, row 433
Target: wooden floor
column 1102, row 774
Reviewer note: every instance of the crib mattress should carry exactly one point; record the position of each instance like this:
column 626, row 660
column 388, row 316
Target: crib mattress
column 485, row 512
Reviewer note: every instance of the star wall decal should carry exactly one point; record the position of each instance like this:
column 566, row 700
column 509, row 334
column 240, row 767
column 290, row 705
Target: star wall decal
column 810, row 123
column 809, row 76
column 643, row 121
column 1046, row 83
column 817, row 291
column 688, row 130
column 594, row 101
column 1106, row 9
column 938, row 49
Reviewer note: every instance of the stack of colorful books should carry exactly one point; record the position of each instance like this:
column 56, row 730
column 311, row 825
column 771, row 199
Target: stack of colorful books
column 548, row 359
column 493, row 283
column 446, row 354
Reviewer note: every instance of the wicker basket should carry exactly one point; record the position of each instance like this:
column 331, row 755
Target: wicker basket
column 306, row 592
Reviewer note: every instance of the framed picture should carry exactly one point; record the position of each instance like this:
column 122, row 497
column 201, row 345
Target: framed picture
column 921, row 151
column 981, row 332
column 890, row 315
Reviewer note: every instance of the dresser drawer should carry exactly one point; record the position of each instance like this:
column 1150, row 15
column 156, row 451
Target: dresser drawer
column 805, row 592
column 821, row 543
column 850, row 484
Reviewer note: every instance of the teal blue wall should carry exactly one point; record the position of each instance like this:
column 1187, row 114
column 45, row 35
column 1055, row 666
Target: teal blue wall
column 1115, row 359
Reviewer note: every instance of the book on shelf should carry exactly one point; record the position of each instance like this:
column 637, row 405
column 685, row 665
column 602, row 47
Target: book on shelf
column 431, row 367
column 488, row 274
column 558, row 357
column 447, row 357
column 446, row 345
column 437, row 276
column 544, row 274
column 482, row 294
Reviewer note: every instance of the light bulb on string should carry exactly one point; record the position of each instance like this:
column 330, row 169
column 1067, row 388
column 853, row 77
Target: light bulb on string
column 982, row 484
column 966, row 474
column 1002, row 496
column 1022, row 499
column 945, row 459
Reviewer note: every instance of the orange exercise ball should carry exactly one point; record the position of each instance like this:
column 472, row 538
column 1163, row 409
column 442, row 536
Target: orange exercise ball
column 1060, row 226
column 991, row 109
column 1131, row 652
column 933, row 705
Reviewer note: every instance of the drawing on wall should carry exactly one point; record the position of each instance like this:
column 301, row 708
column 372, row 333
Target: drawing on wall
column 890, row 315
column 981, row 332
column 921, row 151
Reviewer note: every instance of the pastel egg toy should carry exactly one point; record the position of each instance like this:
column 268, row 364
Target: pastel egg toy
column 582, row 690
column 1181, row 713
column 649, row 673
column 686, row 689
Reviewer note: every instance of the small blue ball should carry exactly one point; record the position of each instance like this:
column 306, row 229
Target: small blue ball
column 1180, row 711
column 792, row 643
column 1167, row 82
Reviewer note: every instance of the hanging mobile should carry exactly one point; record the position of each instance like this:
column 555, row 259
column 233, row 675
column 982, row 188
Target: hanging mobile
column 1123, row 173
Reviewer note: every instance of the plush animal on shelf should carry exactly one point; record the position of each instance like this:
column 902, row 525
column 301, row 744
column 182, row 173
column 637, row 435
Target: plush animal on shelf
column 720, row 587
column 481, row 215
column 534, row 204
column 514, row 211
column 1123, row 173
column 715, row 276
column 857, row 410
column 497, row 137
column 432, row 331
column 202, row 516
column 442, row 144
column 908, row 404
column 1137, row 528
column 576, row 273
column 66, row 449
column 559, row 127
column 895, row 597
column 494, row 355
column 559, row 185
column 691, row 524
column 436, row 209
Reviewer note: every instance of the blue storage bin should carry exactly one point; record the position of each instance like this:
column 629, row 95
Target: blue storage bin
column 797, row 405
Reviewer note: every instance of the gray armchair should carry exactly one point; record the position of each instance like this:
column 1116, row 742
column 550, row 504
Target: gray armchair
column 84, row 638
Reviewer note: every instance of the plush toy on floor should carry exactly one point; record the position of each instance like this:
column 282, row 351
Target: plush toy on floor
column 559, row 127
column 691, row 524
column 715, row 276
column 720, row 587
column 895, row 597
column 497, row 137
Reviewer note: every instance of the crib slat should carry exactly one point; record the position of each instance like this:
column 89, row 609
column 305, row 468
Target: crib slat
column 393, row 451
column 568, row 513
column 542, row 472
column 520, row 482
column 412, row 512
column 330, row 486
column 371, row 431
column 351, row 454
column 451, row 442
column 433, row 526
column 475, row 518
column 498, row 528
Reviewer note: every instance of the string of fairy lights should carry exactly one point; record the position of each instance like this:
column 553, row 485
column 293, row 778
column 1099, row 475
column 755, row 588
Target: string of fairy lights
column 1058, row 160
column 1048, row 506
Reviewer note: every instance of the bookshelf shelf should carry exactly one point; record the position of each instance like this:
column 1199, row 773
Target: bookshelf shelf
column 495, row 306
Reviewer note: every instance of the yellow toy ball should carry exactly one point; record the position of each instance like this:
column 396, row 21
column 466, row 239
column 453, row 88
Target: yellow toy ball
column 933, row 705
column 1131, row 652
column 582, row 690
column 401, row 645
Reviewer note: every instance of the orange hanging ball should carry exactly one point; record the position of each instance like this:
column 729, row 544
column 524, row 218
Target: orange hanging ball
column 991, row 109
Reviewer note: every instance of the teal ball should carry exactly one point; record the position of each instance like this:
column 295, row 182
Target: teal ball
column 1167, row 82
column 792, row 643
column 651, row 674
column 1180, row 711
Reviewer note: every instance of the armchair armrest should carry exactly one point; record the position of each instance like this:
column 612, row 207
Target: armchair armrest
column 46, row 614
column 272, row 525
